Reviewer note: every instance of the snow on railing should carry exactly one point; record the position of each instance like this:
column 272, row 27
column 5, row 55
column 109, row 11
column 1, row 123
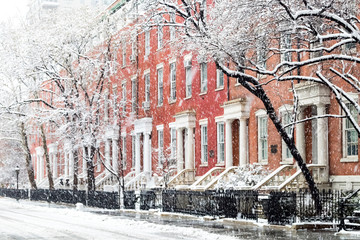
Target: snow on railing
column 184, row 177
column 223, row 176
column 274, row 178
column 138, row 182
column 297, row 179
column 207, row 178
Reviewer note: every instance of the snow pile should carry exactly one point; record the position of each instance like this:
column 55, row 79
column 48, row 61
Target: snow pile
column 243, row 177
column 35, row 219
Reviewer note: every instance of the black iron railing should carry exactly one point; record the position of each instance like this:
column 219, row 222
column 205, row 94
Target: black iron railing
column 347, row 207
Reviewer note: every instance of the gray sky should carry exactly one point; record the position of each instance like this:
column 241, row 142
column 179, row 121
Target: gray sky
column 12, row 9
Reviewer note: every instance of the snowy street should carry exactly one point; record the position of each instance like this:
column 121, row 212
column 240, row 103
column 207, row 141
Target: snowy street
column 29, row 220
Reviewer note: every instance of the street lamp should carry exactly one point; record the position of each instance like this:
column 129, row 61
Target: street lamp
column 17, row 170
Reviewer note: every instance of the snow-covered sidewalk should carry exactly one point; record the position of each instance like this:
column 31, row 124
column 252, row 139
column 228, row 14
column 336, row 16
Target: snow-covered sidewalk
column 31, row 220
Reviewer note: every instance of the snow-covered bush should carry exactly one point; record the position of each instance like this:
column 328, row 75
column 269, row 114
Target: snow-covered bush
column 243, row 177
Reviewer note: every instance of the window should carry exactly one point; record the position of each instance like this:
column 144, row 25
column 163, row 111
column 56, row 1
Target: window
column 204, row 144
column 286, row 153
column 262, row 136
column 350, row 135
column 285, row 44
column 172, row 28
column 316, row 47
column 147, row 87
column 123, row 97
column 160, row 86
column 220, row 143
column 133, row 151
column 173, row 143
column 203, row 76
column 188, row 77
column 123, row 53
column 123, row 142
column 160, row 37
column 261, row 52
column 147, row 43
column 133, row 95
column 172, row 81
column 219, row 79
column 161, row 146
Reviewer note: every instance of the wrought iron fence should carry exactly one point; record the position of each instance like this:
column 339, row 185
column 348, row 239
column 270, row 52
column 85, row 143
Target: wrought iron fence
column 281, row 208
column 14, row 193
column 129, row 199
column 147, row 200
column 306, row 210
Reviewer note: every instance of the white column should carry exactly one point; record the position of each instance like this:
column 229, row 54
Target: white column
column 146, row 154
column 37, row 167
column 243, row 143
column 66, row 165
column 41, row 167
column 137, row 154
column 115, row 153
column 179, row 149
column 55, row 164
column 85, row 155
column 189, row 164
column 107, row 154
column 228, row 144
column 300, row 136
column 322, row 134
column 71, row 164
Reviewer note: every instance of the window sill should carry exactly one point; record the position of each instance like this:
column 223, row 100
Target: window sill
column 286, row 161
column 220, row 165
column 123, row 66
column 349, row 159
column 187, row 98
column 203, row 165
column 203, row 93
column 237, row 84
column 220, row 88
column 263, row 162
column 159, row 106
column 172, row 101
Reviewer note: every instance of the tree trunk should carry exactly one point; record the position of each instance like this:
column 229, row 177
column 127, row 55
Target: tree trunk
column 260, row 93
column 76, row 170
column 29, row 166
column 47, row 159
column 90, row 169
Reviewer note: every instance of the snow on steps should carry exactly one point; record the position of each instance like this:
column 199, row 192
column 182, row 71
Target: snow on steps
column 204, row 180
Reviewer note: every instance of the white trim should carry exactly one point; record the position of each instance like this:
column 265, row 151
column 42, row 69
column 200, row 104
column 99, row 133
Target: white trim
column 147, row 71
column 285, row 109
column 260, row 113
column 173, row 60
column 160, row 65
column 203, row 121
column 160, row 127
column 349, row 159
column 188, row 57
column 172, row 125
column 345, row 158
column 219, row 119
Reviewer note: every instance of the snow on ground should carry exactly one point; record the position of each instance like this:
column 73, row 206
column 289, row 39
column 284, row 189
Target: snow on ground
column 31, row 220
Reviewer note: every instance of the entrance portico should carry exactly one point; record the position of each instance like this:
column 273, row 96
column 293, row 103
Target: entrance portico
column 233, row 110
column 143, row 127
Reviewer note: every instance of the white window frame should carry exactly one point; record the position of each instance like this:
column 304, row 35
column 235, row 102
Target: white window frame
column 345, row 129
column 219, row 79
column 160, row 78
column 147, row 43
column 134, row 100
column 172, row 28
column 123, row 149
column 160, row 35
column 203, row 77
column 261, row 119
column 147, row 86
column 123, row 53
column 172, row 76
column 261, row 52
column 285, row 44
column 204, row 141
column 160, row 136
column 173, row 140
column 123, row 96
column 133, row 150
column 220, row 127
column 285, row 112
column 188, row 77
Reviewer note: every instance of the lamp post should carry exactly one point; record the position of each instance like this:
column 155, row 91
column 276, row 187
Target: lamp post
column 17, row 170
